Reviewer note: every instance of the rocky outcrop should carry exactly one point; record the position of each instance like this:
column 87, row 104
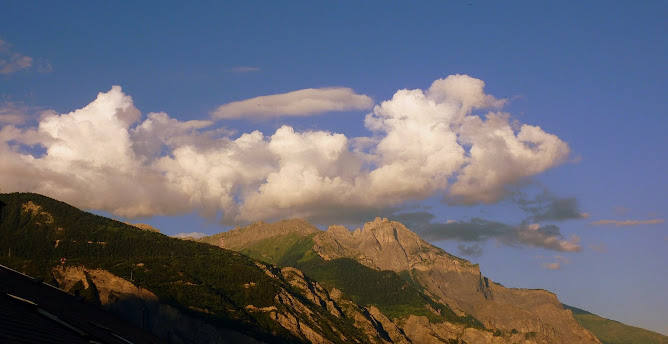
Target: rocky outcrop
column 37, row 212
column 388, row 245
column 299, row 319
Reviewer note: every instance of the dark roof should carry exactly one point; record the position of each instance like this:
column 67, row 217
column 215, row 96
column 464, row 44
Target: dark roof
column 35, row 312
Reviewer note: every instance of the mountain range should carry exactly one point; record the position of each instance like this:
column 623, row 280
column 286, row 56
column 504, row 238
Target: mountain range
column 286, row 282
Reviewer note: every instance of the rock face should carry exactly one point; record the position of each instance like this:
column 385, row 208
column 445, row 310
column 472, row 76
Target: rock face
column 388, row 245
column 334, row 302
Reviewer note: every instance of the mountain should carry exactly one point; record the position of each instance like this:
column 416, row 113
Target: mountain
column 282, row 282
column 412, row 282
column 183, row 291
column 614, row 332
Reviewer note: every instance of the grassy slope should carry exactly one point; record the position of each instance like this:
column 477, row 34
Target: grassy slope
column 387, row 290
column 185, row 274
column 613, row 332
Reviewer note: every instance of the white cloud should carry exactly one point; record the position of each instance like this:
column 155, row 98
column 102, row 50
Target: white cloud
column 159, row 130
column 88, row 160
column 499, row 157
column 305, row 102
column 422, row 142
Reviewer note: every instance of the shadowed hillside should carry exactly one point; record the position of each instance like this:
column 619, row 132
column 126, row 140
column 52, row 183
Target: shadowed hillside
column 210, row 286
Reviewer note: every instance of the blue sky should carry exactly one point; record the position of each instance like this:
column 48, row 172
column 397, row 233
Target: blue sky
column 590, row 74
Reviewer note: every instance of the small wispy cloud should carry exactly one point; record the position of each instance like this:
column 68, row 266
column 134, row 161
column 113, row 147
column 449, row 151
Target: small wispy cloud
column 194, row 235
column 306, row 102
column 620, row 223
column 600, row 248
column 557, row 264
column 12, row 61
column 245, row 69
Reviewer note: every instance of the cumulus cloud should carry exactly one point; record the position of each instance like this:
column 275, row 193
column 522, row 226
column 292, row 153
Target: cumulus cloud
column 499, row 157
column 88, row 160
column 305, row 102
column 11, row 61
column 620, row 223
column 424, row 143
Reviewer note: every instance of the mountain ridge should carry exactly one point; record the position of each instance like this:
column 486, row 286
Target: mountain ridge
column 386, row 245
column 628, row 332
column 378, row 284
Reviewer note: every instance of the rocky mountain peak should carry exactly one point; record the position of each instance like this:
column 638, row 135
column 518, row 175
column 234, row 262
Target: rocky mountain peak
column 377, row 222
column 380, row 244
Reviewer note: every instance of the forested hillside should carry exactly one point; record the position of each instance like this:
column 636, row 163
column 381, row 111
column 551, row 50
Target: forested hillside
column 198, row 279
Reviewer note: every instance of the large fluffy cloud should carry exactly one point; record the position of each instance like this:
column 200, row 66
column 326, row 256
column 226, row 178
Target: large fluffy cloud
column 306, row 102
column 104, row 156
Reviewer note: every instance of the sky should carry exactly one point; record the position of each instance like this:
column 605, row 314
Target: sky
column 525, row 136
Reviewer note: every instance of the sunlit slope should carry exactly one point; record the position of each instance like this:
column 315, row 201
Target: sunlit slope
column 614, row 332
column 395, row 296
